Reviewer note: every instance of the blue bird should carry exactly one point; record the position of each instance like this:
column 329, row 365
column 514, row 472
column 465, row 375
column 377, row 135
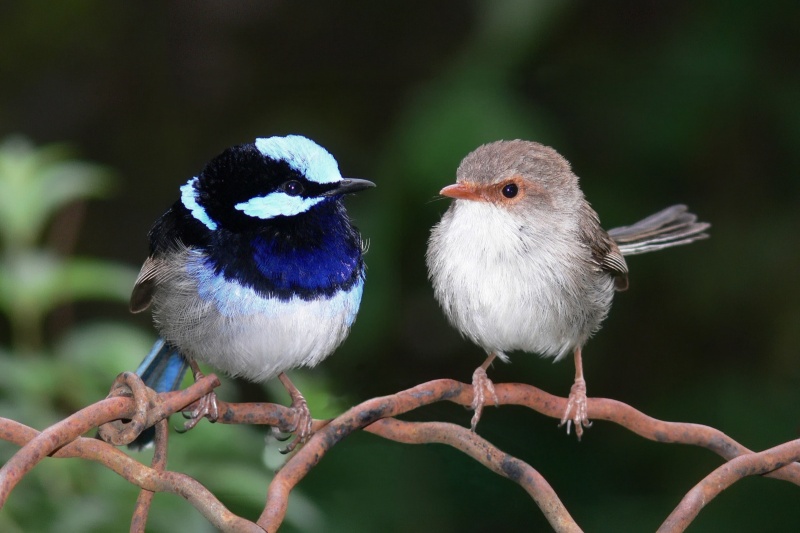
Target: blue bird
column 256, row 270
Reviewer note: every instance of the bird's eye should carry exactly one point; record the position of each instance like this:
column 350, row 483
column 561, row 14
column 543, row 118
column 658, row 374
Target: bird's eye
column 510, row 190
column 293, row 188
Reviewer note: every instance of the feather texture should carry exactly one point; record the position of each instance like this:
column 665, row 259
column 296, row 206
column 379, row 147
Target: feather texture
column 529, row 267
column 256, row 269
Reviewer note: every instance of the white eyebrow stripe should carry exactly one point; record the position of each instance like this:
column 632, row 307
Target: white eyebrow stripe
column 189, row 201
column 277, row 204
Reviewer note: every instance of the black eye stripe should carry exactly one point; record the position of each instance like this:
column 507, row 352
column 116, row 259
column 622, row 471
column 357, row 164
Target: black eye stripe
column 510, row 190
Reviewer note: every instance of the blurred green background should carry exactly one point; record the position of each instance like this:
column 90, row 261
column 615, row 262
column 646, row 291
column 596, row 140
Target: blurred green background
column 106, row 108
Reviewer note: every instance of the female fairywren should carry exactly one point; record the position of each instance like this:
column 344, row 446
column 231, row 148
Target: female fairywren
column 255, row 270
column 519, row 260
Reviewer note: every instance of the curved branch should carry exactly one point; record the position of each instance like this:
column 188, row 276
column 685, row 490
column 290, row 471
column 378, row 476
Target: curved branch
column 159, row 464
column 53, row 438
column 485, row 453
column 354, row 418
column 138, row 474
column 753, row 464
column 368, row 412
column 640, row 424
column 62, row 439
column 97, row 414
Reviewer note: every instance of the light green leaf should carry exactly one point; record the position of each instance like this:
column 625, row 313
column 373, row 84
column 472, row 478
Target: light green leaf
column 37, row 182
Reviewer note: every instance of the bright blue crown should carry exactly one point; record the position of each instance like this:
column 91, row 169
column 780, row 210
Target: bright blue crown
column 303, row 155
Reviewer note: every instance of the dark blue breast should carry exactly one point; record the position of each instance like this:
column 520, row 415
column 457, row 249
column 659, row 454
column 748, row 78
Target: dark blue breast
column 310, row 255
column 302, row 269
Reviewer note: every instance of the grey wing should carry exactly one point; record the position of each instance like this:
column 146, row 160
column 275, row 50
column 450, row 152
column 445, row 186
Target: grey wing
column 605, row 252
column 145, row 284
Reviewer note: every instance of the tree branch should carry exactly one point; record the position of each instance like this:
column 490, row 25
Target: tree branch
column 752, row 464
column 129, row 400
column 485, row 453
column 138, row 474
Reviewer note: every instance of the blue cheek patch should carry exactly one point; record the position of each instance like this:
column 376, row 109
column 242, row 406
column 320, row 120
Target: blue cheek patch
column 277, row 204
column 303, row 155
column 189, row 201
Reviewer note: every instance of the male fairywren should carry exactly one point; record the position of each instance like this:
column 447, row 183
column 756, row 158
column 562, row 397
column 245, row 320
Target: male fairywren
column 519, row 260
column 256, row 270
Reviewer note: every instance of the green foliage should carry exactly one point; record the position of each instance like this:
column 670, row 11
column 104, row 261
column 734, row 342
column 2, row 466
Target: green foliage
column 652, row 103
column 42, row 383
column 35, row 184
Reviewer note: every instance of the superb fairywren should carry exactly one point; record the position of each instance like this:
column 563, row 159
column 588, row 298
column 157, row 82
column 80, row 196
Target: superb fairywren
column 255, row 270
column 519, row 260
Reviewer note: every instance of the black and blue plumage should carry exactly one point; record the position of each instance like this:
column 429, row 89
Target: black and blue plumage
column 257, row 269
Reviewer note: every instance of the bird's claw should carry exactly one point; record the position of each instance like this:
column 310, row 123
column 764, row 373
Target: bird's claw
column 278, row 435
column 576, row 410
column 303, row 428
column 481, row 387
column 206, row 408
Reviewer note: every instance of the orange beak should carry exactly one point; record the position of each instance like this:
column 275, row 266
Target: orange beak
column 462, row 191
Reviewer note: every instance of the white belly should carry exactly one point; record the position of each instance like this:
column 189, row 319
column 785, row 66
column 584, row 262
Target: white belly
column 234, row 329
column 505, row 290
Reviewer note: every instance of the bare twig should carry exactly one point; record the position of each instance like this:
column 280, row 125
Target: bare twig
column 50, row 440
column 639, row 423
column 508, row 393
column 159, row 463
column 138, row 474
column 141, row 408
column 485, row 453
column 753, row 464
column 355, row 418
column 69, row 429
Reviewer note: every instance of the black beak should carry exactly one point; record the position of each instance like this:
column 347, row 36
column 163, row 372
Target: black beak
column 347, row 186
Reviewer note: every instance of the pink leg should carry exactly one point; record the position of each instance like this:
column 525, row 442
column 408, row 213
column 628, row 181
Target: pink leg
column 206, row 406
column 303, row 427
column 481, row 386
column 576, row 405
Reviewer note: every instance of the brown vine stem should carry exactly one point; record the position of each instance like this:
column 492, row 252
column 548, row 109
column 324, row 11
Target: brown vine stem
column 97, row 414
column 326, row 437
column 639, row 423
column 508, row 393
column 753, row 464
column 56, row 436
column 138, row 474
column 159, row 464
column 485, row 453
column 132, row 401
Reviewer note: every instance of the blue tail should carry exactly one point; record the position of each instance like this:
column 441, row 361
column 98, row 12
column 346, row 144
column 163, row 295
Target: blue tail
column 162, row 370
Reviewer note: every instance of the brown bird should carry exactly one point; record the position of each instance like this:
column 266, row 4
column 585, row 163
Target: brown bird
column 519, row 260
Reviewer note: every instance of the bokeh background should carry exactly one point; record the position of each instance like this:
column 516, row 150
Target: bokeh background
column 106, row 108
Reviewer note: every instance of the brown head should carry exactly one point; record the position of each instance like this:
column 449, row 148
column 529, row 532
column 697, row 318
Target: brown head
column 516, row 175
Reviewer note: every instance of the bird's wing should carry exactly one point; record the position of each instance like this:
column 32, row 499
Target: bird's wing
column 175, row 230
column 605, row 251
column 145, row 284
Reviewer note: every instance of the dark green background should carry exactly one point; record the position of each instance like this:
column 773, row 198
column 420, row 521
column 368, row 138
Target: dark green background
column 653, row 103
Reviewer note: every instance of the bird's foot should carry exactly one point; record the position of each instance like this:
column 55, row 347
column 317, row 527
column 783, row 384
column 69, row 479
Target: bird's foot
column 206, row 407
column 576, row 409
column 303, row 427
column 303, row 422
column 482, row 387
